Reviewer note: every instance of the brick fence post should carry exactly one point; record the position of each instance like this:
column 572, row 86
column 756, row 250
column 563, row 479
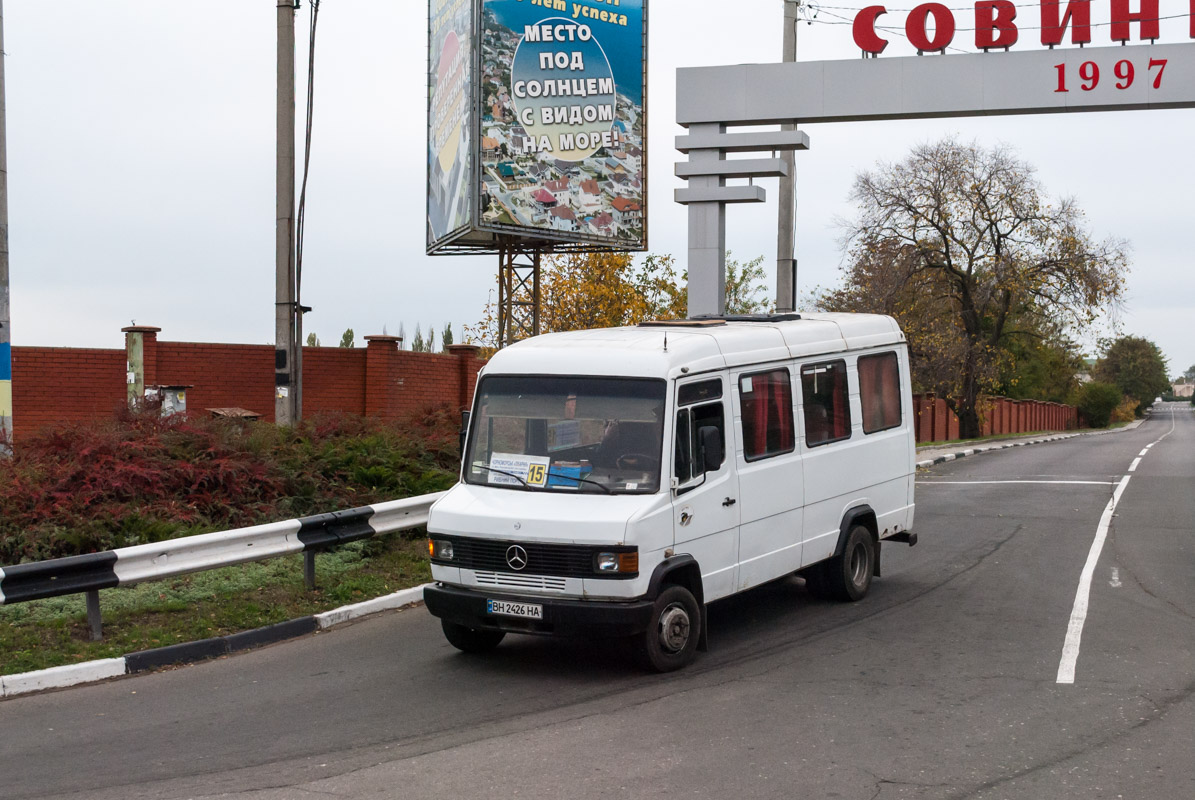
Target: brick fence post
column 466, row 355
column 141, row 362
column 381, row 376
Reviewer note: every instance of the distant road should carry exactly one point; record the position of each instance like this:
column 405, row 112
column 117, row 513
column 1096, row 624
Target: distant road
column 942, row 683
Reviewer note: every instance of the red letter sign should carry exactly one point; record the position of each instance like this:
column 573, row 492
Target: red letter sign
column 993, row 24
column 1121, row 20
column 864, row 30
column 943, row 27
column 1078, row 16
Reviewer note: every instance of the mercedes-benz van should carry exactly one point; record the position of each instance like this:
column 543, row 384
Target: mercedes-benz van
column 614, row 482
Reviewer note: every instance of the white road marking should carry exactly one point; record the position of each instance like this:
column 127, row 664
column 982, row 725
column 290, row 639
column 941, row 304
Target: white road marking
column 1115, row 582
column 1143, row 452
column 1074, row 631
column 1133, row 466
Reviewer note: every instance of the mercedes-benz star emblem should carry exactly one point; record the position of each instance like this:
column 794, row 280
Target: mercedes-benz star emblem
column 516, row 557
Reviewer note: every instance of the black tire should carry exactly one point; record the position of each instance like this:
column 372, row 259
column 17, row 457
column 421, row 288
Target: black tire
column 848, row 577
column 471, row 640
column 670, row 641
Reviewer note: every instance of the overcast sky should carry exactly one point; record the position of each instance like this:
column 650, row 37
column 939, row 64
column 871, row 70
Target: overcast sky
column 141, row 167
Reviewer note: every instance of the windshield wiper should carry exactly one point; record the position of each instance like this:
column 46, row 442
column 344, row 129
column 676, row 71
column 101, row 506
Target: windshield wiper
column 579, row 479
column 526, row 485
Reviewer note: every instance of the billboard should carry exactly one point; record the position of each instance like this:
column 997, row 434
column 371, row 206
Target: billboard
column 553, row 140
column 449, row 134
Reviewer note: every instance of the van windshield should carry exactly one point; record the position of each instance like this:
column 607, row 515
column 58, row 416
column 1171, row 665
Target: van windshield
column 569, row 434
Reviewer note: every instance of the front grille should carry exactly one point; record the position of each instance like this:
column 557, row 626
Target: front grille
column 557, row 560
column 513, row 580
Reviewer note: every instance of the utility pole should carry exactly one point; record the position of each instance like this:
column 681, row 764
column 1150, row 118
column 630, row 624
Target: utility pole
column 786, row 262
column 286, row 344
column 5, row 311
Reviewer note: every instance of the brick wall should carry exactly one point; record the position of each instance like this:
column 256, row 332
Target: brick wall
column 57, row 384
column 61, row 384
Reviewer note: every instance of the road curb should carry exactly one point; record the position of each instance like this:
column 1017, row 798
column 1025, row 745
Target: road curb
column 977, row 449
column 188, row 652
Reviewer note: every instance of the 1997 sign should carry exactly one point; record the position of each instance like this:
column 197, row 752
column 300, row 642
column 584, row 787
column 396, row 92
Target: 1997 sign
column 1123, row 70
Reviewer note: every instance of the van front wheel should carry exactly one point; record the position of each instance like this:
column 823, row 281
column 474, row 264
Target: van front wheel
column 670, row 641
column 471, row 640
column 848, row 576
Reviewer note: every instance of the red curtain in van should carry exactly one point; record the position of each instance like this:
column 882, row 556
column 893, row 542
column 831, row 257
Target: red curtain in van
column 767, row 414
column 879, row 392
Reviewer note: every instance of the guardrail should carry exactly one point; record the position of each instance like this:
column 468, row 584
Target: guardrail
column 150, row 562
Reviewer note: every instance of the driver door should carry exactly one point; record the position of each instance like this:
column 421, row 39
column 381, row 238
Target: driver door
column 705, row 502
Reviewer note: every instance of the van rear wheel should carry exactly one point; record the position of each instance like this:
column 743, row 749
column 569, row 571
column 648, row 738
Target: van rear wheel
column 670, row 641
column 848, row 576
column 471, row 640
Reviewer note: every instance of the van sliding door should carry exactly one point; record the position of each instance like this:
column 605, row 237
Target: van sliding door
column 771, row 488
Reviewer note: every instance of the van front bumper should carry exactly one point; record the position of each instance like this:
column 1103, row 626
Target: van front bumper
column 590, row 618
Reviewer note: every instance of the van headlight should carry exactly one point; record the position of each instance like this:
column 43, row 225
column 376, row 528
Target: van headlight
column 439, row 549
column 622, row 563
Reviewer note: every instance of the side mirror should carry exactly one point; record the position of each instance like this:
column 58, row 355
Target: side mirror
column 464, row 432
column 711, row 448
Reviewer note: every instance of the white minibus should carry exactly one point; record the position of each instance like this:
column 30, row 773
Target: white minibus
column 616, row 481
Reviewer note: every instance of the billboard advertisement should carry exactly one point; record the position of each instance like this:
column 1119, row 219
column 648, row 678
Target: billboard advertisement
column 558, row 126
column 449, row 129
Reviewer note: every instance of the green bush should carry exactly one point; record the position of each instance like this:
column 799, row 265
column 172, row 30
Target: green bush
column 93, row 487
column 1097, row 401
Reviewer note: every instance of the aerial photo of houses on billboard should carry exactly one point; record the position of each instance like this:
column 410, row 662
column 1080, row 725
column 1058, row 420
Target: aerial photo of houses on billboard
column 562, row 120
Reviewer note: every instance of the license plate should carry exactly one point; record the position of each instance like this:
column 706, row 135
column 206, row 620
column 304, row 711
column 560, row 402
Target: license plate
column 508, row 609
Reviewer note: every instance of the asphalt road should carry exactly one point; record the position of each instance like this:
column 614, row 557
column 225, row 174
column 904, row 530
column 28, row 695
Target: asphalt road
column 942, row 683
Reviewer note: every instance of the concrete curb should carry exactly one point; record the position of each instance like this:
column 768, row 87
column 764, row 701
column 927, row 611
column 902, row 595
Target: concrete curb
column 980, row 448
column 971, row 451
column 55, row 677
column 103, row 669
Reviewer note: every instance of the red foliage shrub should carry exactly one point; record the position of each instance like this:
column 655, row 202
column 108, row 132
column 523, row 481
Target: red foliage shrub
column 140, row 478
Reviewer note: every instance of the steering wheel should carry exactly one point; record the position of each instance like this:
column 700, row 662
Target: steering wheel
column 636, row 461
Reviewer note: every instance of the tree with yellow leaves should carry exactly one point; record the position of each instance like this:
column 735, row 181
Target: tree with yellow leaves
column 960, row 244
column 607, row 290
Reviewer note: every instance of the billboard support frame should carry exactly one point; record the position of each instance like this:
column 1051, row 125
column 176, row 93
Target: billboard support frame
column 518, row 291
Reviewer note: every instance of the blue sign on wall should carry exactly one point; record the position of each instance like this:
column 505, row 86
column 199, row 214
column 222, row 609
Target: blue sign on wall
column 5, row 361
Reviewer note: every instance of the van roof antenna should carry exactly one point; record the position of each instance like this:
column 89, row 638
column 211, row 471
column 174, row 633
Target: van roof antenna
column 665, row 341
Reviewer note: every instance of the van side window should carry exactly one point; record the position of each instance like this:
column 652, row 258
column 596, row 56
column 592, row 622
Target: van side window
column 879, row 392
column 767, row 402
column 698, row 392
column 827, row 407
column 689, row 423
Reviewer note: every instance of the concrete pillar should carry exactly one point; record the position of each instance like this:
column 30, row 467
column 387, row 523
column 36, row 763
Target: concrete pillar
column 707, row 235
column 141, row 350
column 381, row 376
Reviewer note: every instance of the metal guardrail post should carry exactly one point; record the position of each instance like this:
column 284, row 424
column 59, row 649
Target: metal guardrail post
column 309, row 569
column 94, row 620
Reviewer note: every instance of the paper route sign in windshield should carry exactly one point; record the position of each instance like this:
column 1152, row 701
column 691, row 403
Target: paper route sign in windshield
column 531, row 470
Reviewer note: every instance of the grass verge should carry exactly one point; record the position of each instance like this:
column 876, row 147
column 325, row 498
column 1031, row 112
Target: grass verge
column 53, row 632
